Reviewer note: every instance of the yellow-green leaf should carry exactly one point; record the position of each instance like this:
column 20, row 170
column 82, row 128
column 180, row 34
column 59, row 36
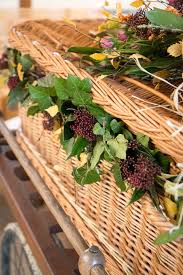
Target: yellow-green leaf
column 52, row 111
column 98, row 56
column 70, row 22
column 20, row 71
column 171, row 207
column 137, row 3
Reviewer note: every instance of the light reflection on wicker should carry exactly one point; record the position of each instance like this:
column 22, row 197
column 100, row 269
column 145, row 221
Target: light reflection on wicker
column 125, row 234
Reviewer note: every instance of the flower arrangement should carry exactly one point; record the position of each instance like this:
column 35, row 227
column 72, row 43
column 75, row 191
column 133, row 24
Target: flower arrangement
column 90, row 134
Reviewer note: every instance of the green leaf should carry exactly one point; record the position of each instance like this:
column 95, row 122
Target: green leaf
column 33, row 110
column 127, row 134
column 169, row 236
column 84, row 50
column 84, row 176
column 163, row 161
column 67, row 144
column 118, row 177
column 118, row 146
column 41, row 95
column 116, row 126
column 16, row 95
column 26, row 62
column 46, row 81
column 98, row 130
column 60, row 85
column 137, row 194
column 97, row 112
column 165, row 19
column 97, row 152
column 78, row 146
column 142, row 139
column 79, row 90
column 154, row 197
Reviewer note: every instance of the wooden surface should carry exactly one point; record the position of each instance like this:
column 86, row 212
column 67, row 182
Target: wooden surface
column 34, row 218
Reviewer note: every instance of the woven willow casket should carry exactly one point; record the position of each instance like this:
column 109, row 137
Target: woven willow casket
column 124, row 234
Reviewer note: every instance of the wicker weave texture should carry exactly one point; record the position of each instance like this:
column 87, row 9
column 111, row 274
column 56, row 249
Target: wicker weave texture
column 99, row 211
column 137, row 107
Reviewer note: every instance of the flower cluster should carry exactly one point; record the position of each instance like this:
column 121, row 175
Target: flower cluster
column 83, row 124
column 140, row 171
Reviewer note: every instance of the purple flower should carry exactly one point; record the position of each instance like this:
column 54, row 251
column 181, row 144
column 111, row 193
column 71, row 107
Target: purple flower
column 122, row 36
column 106, row 43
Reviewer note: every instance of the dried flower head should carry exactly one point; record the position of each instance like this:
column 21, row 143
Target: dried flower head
column 122, row 36
column 13, row 81
column 83, row 124
column 137, row 19
column 106, row 43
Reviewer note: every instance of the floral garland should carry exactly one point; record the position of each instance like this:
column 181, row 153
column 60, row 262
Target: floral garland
column 89, row 133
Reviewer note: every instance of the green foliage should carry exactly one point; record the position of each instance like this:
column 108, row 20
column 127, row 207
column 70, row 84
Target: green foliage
column 165, row 19
column 34, row 109
column 97, row 152
column 142, row 139
column 118, row 146
column 83, row 175
column 42, row 96
column 118, row 177
column 116, row 126
column 16, row 95
column 84, row 50
column 26, row 62
column 79, row 145
column 137, row 195
column 98, row 130
column 46, row 81
column 169, row 236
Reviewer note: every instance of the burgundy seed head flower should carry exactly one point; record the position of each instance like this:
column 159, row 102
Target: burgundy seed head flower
column 133, row 144
column 122, row 36
column 13, row 81
column 177, row 4
column 3, row 61
column 48, row 121
column 106, row 43
column 83, row 124
column 137, row 19
column 140, row 171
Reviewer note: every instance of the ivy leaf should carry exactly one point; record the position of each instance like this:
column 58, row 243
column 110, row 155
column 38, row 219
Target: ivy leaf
column 137, row 194
column 142, row 139
column 97, row 152
column 169, row 236
column 154, row 197
column 84, row 176
column 127, row 134
column 46, row 81
column 33, row 110
column 41, row 95
column 67, row 144
column 78, row 146
column 165, row 19
column 60, row 85
column 79, row 90
column 163, row 161
column 116, row 126
column 98, row 130
column 16, row 95
column 84, row 50
column 97, row 112
column 26, row 62
column 118, row 146
column 118, row 177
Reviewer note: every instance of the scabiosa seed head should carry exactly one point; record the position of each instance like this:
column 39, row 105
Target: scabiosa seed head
column 133, row 144
column 3, row 62
column 83, row 124
column 13, row 81
column 140, row 171
column 137, row 19
column 106, row 43
column 122, row 36
column 48, row 121
column 177, row 4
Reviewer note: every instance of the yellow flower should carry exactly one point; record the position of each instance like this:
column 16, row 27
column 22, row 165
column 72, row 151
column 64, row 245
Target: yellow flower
column 171, row 207
column 137, row 3
column 52, row 111
column 98, row 56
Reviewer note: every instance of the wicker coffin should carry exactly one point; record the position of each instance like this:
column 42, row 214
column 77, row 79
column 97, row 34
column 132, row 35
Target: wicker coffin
column 124, row 234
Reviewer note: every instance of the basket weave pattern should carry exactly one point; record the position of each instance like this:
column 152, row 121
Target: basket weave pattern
column 125, row 234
